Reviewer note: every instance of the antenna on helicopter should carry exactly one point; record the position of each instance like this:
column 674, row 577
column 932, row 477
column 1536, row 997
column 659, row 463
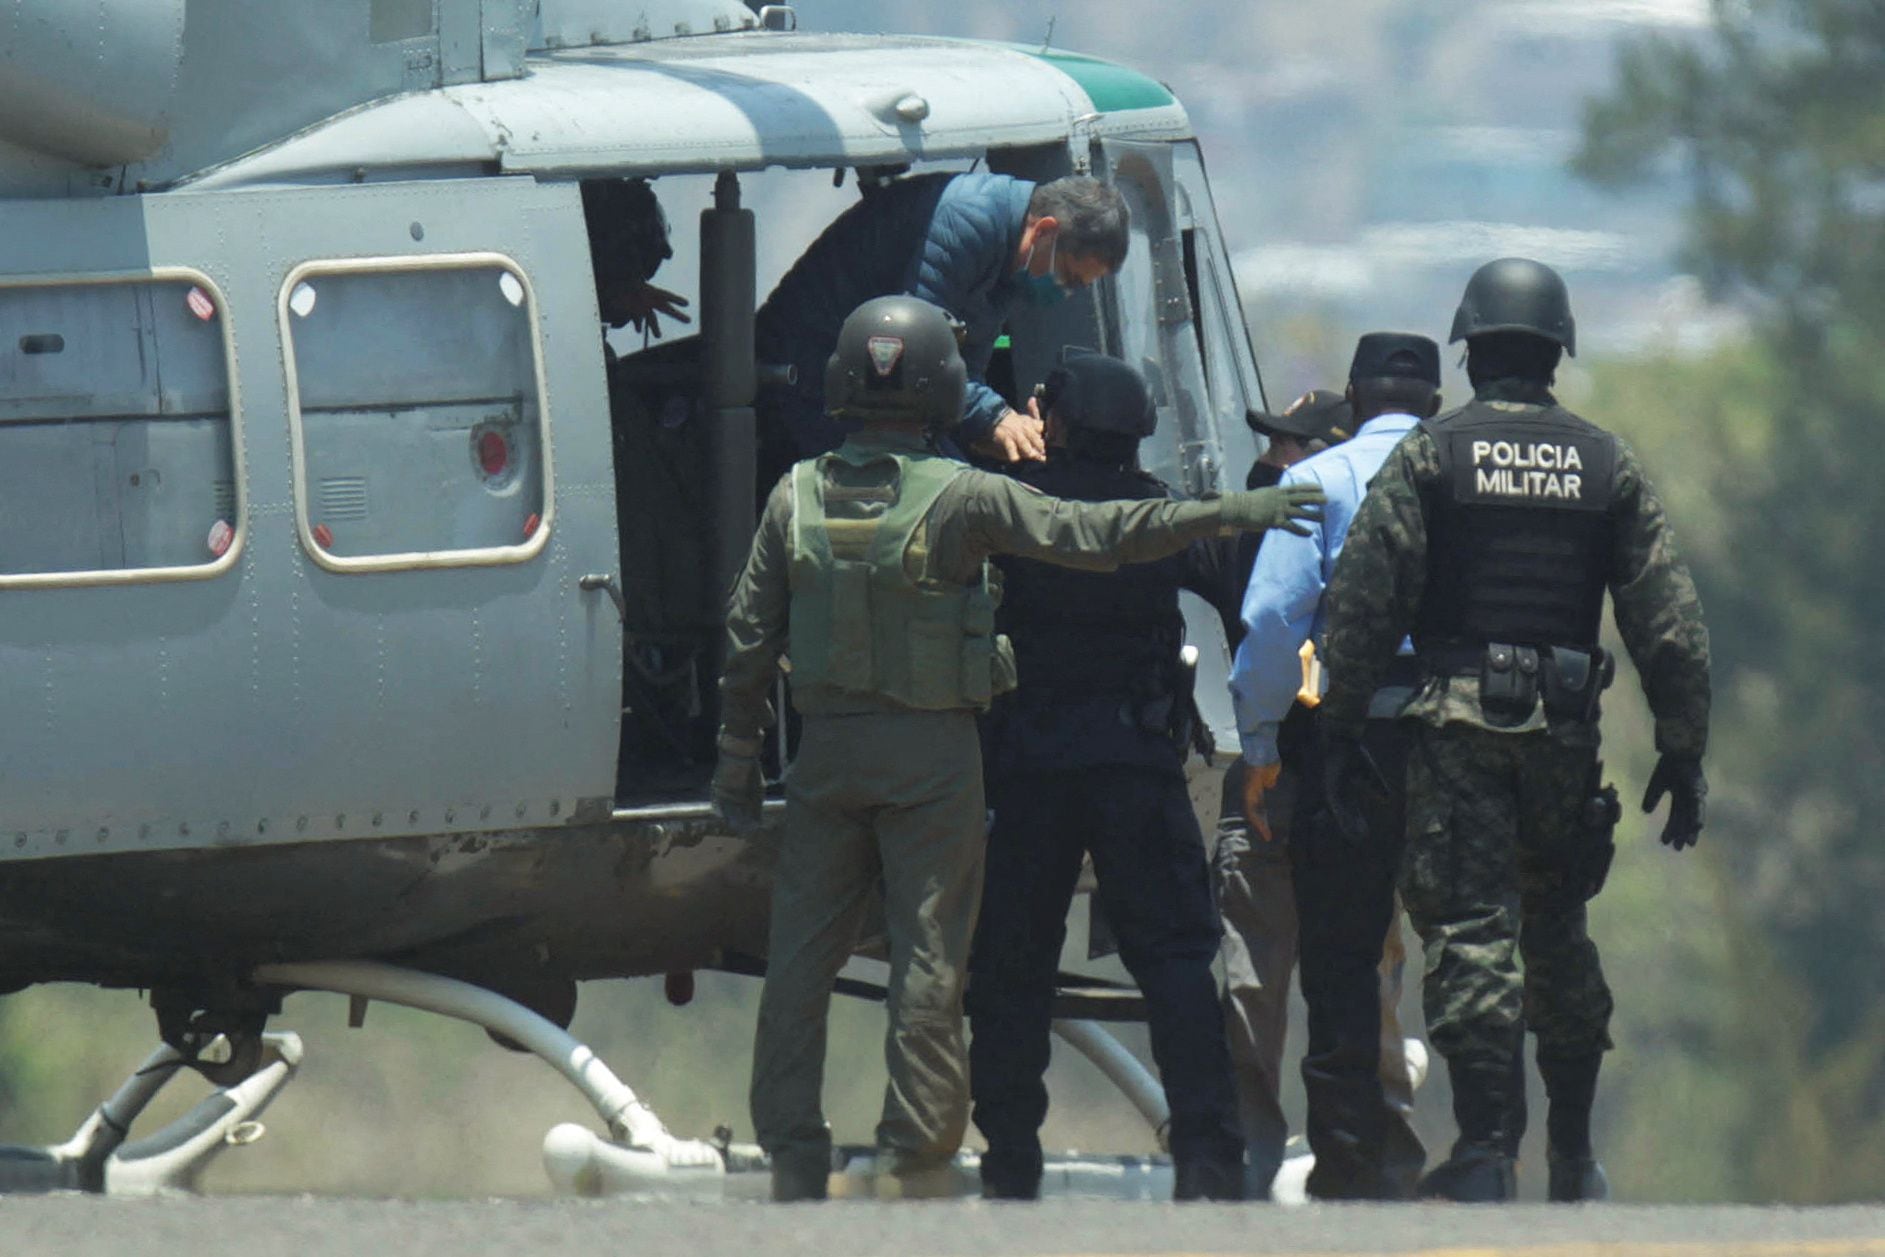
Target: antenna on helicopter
column 1047, row 40
column 775, row 17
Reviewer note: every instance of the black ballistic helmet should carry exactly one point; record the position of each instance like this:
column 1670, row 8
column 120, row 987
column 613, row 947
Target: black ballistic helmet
column 1516, row 295
column 1096, row 393
column 897, row 358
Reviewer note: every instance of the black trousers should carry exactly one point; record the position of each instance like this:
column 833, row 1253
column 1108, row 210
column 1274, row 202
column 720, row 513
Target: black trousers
column 1364, row 1149
column 1149, row 858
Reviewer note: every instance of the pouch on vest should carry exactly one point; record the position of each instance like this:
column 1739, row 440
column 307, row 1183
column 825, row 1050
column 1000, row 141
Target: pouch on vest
column 848, row 637
column 978, row 645
column 1004, row 677
column 1508, row 683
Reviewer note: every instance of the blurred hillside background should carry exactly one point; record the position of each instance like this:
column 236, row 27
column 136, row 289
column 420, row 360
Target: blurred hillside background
column 1710, row 177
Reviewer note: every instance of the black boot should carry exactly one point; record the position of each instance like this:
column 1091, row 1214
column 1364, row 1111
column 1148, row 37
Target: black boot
column 1575, row 1179
column 1476, row 1174
column 1480, row 1171
column 801, row 1175
column 1571, row 1084
column 1206, row 1178
column 1010, row 1173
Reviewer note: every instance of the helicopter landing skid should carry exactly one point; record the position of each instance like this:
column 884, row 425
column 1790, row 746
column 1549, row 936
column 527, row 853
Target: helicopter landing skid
column 640, row 1154
column 99, row 1158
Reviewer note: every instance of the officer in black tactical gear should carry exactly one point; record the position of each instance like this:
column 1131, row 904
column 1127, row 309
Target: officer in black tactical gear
column 870, row 568
column 1087, row 756
column 1491, row 535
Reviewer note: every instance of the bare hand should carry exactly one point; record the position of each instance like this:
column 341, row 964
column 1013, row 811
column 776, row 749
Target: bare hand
column 1016, row 438
column 641, row 304
column 1259, row 780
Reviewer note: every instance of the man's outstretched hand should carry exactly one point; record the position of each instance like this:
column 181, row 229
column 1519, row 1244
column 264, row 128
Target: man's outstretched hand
column 1289, row 507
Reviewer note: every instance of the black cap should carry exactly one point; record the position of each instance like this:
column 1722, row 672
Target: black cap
column 1319, row 415
column 1396, row 355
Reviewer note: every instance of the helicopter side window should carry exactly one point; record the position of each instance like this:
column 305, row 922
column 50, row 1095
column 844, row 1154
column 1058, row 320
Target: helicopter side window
column 117, row 435
column 1230, row 367
column 416, row 406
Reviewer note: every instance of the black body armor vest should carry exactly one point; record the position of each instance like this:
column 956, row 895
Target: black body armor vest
column 1092, row 633
column 1520, row 529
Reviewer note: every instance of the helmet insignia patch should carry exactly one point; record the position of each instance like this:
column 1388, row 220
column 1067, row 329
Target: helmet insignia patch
column 885, row 352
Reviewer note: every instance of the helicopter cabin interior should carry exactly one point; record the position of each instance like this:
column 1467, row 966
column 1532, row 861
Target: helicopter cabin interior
column 1172, row 310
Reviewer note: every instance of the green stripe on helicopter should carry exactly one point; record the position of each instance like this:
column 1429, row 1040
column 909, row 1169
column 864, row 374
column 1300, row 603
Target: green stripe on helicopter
column 1111, row 88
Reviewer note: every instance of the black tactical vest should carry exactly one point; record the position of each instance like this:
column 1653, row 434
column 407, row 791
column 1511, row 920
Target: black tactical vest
column 1092, row 633
column 1519, row 532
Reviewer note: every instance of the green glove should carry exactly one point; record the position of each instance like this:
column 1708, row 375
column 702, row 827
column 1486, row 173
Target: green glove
column 1681, row 778
column 738, row 788
column 1253, row 510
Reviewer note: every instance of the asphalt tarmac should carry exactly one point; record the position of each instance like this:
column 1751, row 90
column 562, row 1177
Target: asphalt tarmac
column 310, row 1227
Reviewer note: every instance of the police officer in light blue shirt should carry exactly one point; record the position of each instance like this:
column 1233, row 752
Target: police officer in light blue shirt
column 1344, row 891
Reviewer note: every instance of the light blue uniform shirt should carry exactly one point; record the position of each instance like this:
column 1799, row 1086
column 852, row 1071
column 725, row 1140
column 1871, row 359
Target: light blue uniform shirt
column 1283, row 605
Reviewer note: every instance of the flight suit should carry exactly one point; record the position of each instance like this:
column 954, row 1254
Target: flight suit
column 887, row 785
column 1482, row 539
column 1082, row 759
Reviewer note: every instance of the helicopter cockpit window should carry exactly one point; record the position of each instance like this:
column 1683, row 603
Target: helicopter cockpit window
column 417, row 412
column 117, row 437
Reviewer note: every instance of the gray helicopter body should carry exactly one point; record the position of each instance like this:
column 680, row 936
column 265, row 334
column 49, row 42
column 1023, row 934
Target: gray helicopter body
column 314, row 504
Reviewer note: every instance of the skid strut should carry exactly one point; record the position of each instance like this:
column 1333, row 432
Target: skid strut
column 101, row 1158
column 641, row 1154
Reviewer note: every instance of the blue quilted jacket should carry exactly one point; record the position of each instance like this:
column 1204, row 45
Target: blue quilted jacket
column 949, row 239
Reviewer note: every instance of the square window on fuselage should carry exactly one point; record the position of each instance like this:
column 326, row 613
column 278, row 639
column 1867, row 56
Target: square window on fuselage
column 417, row 412
column 117, row 439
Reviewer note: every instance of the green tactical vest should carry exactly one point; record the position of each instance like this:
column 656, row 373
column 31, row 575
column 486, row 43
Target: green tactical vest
column 861, row 629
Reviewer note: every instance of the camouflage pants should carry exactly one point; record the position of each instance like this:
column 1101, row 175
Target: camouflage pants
column 1491, row 878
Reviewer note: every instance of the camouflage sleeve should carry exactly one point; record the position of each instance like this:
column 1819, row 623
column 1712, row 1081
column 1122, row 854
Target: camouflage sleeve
column 1659, row 614
column 757, row 617
column 1003, row 516
column 1375, row 590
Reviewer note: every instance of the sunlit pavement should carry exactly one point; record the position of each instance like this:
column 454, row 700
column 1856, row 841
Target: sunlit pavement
column 307, row 1227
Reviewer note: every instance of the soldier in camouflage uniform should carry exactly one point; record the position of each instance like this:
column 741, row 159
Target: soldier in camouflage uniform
column 871, row 568
column 1491, row 535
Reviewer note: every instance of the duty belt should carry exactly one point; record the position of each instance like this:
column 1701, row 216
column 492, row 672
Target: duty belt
column 1466, row 661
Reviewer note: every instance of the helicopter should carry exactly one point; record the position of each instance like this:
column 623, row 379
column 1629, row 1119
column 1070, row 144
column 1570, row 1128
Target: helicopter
column 362, row 598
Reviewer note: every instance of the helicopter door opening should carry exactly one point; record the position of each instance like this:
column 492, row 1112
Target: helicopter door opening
column 654, row 243
column 680, row 264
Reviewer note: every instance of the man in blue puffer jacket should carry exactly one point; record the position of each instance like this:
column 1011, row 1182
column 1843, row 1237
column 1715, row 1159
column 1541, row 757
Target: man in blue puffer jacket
column 977, row 245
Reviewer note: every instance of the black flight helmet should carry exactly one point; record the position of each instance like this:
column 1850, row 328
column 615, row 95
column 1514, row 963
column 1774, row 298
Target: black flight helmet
column 1516, row 295
column 1095, row 392
column 898, row 358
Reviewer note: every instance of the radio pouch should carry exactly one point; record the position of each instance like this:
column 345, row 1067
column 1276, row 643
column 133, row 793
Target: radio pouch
column 1508, row 683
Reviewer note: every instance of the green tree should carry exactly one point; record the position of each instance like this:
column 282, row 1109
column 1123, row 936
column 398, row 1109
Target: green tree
column 1776, row 121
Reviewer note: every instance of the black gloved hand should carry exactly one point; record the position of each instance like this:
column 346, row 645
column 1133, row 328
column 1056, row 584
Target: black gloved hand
column 738, row 789
column 1680, row 777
